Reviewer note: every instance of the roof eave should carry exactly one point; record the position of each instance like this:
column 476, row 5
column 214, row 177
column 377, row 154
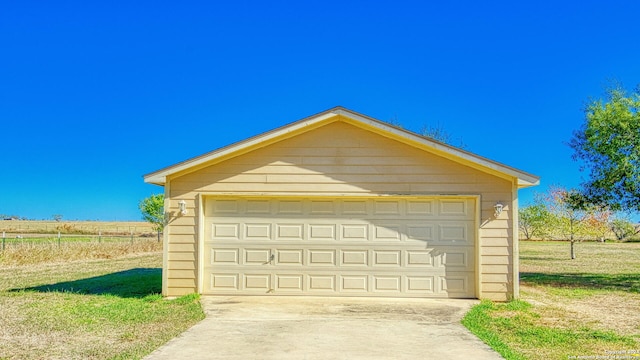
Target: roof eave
column 525, row 183
column 155, row 180
column 160, row 177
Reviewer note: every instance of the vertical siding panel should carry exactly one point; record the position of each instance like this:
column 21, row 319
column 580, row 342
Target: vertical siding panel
column 515, row 291
column 182, row 249
column 165, row 242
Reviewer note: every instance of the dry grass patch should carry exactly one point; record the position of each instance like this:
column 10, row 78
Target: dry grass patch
column 582, row 307
column 74, row 227
column 600, row 288
column 51, row 251
column 608, row 311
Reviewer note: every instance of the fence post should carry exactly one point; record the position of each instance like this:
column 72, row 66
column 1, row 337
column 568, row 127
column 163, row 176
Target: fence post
column 99, row 236
column 58, row 239
column 4, row 235
column 131, row 237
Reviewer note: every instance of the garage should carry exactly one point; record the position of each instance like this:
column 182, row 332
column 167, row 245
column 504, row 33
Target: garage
column 356, row 247
column 341, row 204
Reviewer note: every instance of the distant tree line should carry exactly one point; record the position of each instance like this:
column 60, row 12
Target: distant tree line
column 607, row 145
column 555, row 216
column 12, row 217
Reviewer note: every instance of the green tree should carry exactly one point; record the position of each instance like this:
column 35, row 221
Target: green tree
column 608, row 144
column 623, row 228
column 597, row 223
column 152, row 209
column 534, row 221
column 570, row 212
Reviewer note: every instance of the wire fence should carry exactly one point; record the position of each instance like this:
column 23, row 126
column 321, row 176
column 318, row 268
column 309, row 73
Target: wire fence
column 75, row 227
column 22, row 239
column 34, row 233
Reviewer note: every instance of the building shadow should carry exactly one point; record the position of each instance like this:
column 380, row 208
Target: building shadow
column 624, row 282
column 133, row 283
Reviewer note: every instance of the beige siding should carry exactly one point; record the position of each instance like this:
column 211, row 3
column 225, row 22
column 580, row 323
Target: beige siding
column 340, row 159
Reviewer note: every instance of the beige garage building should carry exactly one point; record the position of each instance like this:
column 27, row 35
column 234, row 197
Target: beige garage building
column 340, row 204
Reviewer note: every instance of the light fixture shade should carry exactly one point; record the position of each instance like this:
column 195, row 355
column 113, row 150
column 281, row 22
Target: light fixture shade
column 498, row 209
column 183, row 207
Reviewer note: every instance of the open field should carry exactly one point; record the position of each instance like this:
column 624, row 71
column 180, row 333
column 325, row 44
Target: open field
column 35, row 242
column 46, row 251
column 101, row 301
column 18, row 227
column 89, row 309
column 589, row 306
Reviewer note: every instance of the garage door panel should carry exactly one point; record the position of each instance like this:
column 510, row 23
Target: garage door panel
column 387, row 283
column 224, row 257
column 387, row 232
column 257, row 256
column 289, row 231
column 289, row 282
column 454, row 233
column 257, row 282
column 452, row 259
column 414, row 247
column 258, row 207
column 456, row 259
column 322, row 283
column 419, row 259
column 323, row 207
column 420, row 284
column 458, row 284
column 322, row 232
column 257, row 232
column 355, row 232
column 354, row 283
column 294, row 207
column 355, row 207
column 223, row 231
column 354, row 257
column 454, row 207
column 321, row 257
column 289, row 257
column 421, row 207
column 224, row 282
column 421, row 232
column 387, row 207
column 226, row 206
column 386, row 258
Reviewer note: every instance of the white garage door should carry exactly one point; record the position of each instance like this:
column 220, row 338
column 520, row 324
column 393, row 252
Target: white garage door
column 401, row 247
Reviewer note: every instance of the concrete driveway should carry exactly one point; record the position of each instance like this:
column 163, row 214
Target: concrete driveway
column 269, row 327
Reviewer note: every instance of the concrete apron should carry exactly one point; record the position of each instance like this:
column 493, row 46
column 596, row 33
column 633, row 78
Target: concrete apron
column 278, row 327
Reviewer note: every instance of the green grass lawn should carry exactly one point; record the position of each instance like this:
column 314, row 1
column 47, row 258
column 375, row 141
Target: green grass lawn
column 589, row 306
column 89, row 309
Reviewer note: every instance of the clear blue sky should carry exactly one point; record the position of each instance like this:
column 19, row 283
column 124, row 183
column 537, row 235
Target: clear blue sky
column 90, row 90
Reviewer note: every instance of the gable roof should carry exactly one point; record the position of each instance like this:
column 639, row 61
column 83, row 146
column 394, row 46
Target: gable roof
column 342, row 114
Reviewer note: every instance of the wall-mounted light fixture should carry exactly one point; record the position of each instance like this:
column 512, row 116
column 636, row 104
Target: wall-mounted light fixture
column 498, row 209
column 182, row 205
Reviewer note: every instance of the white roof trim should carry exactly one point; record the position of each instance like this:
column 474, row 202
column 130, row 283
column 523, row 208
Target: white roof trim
column 524, row 179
